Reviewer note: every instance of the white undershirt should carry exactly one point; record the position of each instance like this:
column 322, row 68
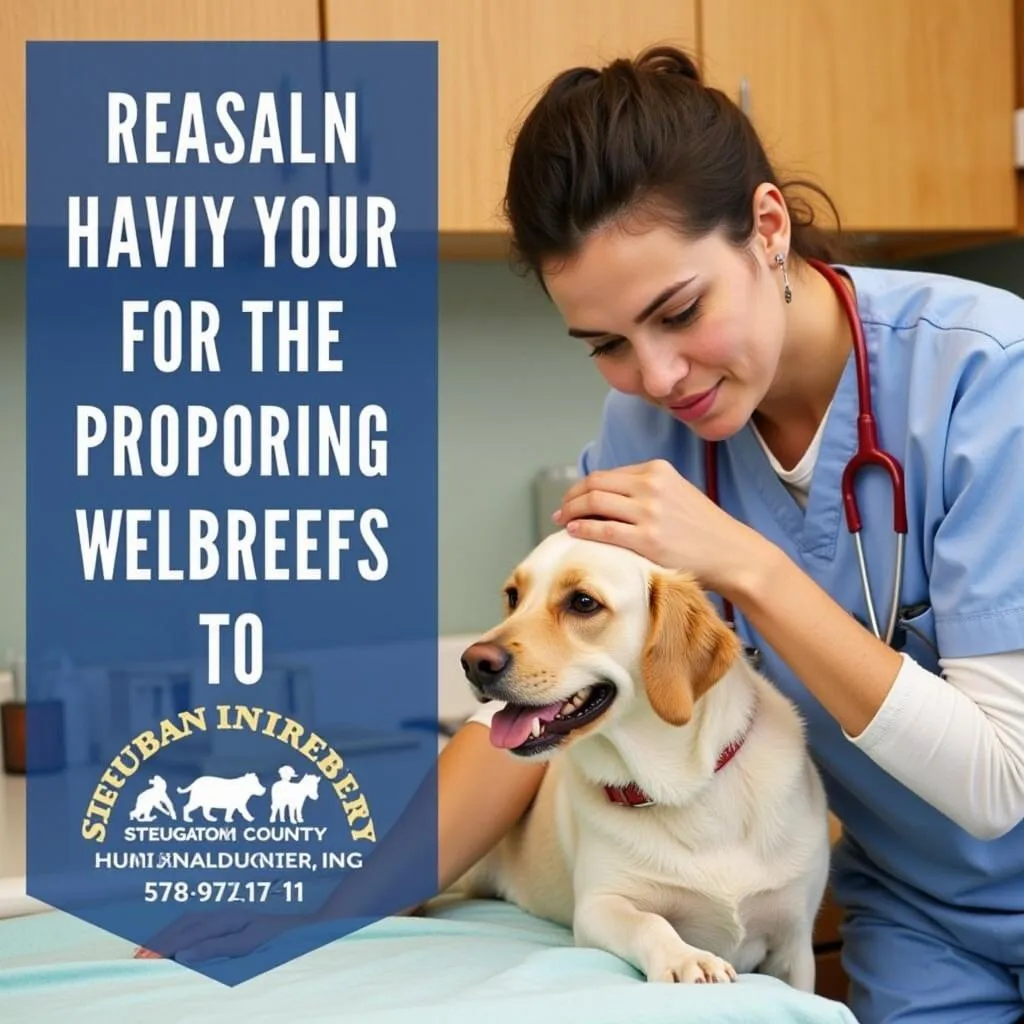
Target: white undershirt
column 956, row 740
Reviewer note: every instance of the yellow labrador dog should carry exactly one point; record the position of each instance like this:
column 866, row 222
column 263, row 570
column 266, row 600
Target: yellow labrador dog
column 681, row 824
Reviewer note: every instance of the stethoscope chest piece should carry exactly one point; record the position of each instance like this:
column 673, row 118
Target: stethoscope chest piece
column 753, row 656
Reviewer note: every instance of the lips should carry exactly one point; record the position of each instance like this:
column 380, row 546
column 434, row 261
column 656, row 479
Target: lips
column 690, row 402
column 696, row 405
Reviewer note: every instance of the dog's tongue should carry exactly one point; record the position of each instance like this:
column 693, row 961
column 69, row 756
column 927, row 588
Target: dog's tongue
column 510, row 726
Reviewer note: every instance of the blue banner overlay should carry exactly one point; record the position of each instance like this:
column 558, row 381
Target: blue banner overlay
column 232, row 489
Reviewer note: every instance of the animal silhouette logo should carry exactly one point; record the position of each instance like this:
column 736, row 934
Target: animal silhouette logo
column 288, row 796
column 153, row 798
column 211, row 792
column 230, row 795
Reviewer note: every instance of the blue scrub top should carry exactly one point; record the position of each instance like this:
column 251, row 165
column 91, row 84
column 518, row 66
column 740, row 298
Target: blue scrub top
column 946, row 360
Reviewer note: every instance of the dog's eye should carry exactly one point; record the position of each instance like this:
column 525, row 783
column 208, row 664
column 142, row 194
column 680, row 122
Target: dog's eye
column 582, row 603
column 512, row 596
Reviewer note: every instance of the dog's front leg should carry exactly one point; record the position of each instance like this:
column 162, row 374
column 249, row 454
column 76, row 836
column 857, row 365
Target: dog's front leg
column 791, row 959
column 645, row 940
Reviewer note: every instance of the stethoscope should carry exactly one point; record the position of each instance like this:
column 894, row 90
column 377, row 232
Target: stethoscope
column 868, row 453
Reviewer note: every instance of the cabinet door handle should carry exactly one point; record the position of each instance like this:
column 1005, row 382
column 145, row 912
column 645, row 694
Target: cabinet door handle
column 745, row 95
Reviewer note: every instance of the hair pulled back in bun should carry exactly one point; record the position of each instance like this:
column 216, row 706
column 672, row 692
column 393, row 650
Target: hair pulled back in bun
column 636, row 133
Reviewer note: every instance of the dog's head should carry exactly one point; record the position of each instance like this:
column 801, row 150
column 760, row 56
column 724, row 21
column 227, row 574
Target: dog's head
column 593, row 633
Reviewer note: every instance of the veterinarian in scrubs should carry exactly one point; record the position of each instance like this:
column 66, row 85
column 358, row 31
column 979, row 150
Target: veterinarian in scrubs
column 646, row 206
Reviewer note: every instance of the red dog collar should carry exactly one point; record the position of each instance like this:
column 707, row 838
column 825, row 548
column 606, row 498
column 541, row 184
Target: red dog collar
column 631, row 795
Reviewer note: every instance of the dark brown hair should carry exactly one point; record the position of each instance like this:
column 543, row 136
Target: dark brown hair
column 642, row 135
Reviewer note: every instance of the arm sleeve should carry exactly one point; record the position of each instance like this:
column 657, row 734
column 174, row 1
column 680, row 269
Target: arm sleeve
column 595, row 453
column 976, row 576
column 957, row 740
column 486, row 712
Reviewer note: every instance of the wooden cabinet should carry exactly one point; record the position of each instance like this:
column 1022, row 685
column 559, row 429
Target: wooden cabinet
column 99, row 20
column 494, row 58
column 901, row 111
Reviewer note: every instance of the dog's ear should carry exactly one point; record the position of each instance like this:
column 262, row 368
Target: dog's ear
column 688, row 647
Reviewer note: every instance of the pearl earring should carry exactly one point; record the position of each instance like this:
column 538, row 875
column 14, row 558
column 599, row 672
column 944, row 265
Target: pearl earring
column 780, row 262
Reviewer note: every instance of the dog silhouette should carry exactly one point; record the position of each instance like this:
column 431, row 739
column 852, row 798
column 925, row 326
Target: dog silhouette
column 210, row 792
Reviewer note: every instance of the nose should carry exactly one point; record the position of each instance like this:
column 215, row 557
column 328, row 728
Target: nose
column 485, row 664
column 661, row 370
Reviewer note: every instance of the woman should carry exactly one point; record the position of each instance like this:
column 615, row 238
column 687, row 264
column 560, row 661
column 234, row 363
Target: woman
column 644, row 204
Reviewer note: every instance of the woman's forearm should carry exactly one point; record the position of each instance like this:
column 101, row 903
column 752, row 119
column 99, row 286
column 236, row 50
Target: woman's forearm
column 841, row 663
column 481, row 791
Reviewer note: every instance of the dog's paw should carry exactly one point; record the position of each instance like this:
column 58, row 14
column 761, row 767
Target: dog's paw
column 690, row 967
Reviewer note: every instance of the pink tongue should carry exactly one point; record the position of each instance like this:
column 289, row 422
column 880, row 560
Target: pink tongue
column 510, row 727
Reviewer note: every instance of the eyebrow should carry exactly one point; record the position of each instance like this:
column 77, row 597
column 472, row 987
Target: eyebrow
column 660, row 299
column 518, row 580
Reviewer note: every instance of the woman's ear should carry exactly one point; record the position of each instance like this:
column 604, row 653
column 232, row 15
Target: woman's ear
column 772, row 227
column 688, row 647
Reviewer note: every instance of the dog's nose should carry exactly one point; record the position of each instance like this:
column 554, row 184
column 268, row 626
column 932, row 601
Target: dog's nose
column 484, row 664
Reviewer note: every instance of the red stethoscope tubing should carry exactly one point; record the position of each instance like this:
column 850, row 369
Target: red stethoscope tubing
column 869, row 453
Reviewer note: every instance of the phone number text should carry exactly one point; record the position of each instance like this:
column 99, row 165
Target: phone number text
column 223, row 892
